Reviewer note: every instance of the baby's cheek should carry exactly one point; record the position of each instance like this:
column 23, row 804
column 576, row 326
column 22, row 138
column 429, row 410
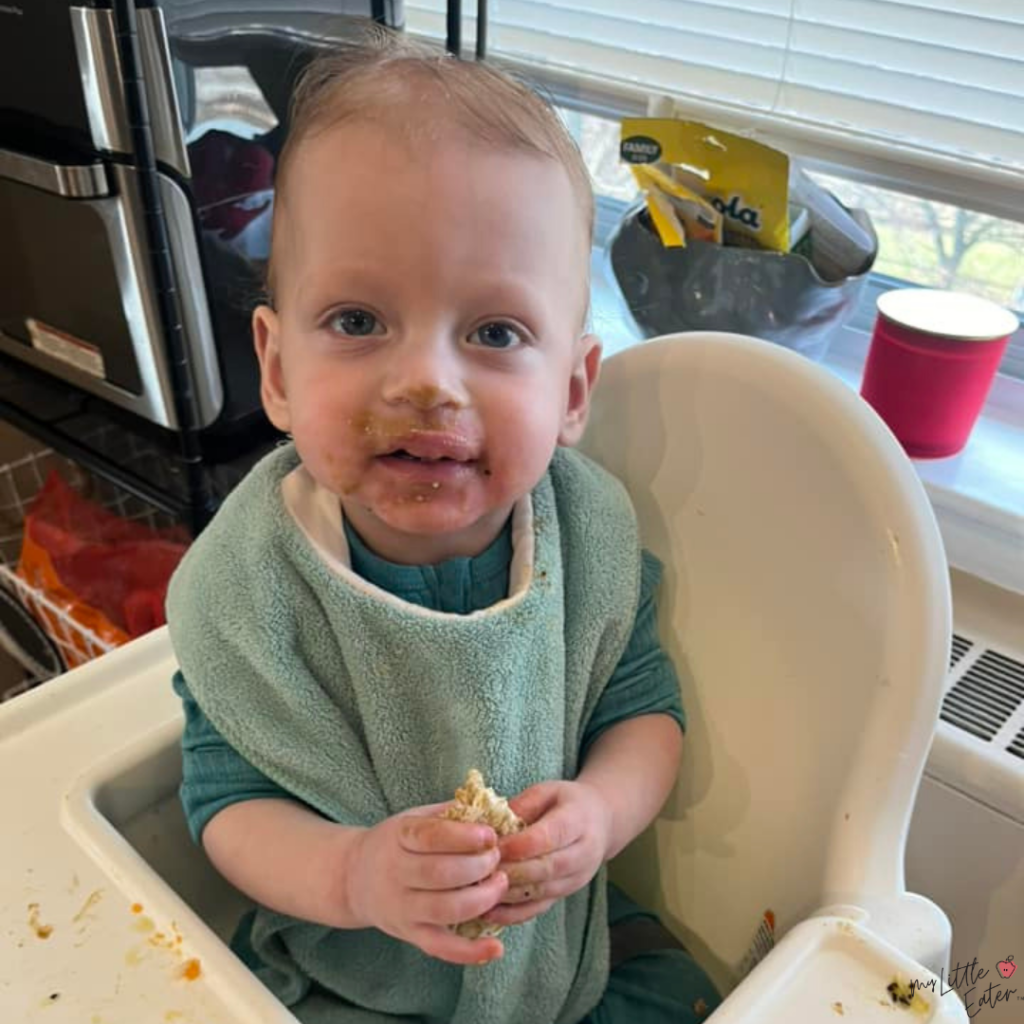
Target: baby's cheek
column 337, row 473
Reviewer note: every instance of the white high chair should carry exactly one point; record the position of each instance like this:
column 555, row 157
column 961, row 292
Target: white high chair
column 806, row 603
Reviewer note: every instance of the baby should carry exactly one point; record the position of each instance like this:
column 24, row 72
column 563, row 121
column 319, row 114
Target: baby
column 427, row 580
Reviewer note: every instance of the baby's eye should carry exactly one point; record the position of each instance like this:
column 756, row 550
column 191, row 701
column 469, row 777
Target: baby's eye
column 496, row 335
column 357, row 323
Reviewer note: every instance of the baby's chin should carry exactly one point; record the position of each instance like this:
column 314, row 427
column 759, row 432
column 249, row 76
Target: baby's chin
column 428, row 531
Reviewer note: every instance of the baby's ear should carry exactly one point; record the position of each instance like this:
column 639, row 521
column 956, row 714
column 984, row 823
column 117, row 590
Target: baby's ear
column 581, row 386
column 266, row 333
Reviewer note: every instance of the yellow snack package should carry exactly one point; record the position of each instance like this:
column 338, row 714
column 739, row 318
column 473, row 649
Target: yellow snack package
column 678, row 212
column 747, row 182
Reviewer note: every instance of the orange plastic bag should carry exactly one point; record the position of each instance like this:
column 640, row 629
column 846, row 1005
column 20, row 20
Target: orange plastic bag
column 107, row 575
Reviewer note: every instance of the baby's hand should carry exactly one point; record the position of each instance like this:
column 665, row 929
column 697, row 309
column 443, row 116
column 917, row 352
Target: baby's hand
column 415, row 873
column 563, row 847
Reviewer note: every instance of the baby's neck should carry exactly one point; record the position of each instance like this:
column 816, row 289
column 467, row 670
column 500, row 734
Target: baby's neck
column 424, row 549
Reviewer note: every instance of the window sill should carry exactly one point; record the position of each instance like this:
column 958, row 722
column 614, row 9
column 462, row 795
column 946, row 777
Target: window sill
column 978, row 495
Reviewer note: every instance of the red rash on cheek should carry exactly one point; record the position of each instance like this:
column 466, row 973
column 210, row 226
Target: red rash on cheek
column 341, row 479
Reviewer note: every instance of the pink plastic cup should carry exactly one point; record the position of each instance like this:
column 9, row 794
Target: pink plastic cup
column 932, row 360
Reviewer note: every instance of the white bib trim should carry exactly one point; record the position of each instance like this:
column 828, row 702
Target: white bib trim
column 317, row 513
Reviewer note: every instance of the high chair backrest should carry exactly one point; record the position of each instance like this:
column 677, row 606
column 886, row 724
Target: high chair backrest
column 806, row 604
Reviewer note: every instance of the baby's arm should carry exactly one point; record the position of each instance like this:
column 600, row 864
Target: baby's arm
column 285, row 857
column 403, row 876
column 409, row 876
column 634, row 765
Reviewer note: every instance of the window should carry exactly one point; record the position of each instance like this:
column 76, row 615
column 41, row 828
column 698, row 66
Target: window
column 901, row 89
column 940, row 245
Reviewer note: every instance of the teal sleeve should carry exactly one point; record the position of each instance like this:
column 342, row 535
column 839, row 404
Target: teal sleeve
column 214, row 774
column 644, row 681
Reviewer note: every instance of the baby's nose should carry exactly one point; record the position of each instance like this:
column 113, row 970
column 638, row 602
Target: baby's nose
column 426, row 375
column 425, row 396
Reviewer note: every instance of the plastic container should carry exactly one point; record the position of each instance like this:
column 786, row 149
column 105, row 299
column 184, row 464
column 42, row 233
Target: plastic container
column 778, row 297
column 933, row 357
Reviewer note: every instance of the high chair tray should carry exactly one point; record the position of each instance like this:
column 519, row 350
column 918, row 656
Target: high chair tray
column 92, row 934
column 832, row 968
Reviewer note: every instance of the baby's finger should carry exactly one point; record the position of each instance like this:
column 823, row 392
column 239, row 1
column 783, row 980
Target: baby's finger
column 434, row 872
column 553, row 889
column 519, row 913
column 538, row 870
column 456, row 905
column 446, row 945
column 554, row 831
column 534, row 802
column 436, row 835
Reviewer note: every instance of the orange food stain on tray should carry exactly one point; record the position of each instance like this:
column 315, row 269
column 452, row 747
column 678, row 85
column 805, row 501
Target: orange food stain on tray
column 43, row 931
column 90, row 904
column 162, row 941
column 191, row 970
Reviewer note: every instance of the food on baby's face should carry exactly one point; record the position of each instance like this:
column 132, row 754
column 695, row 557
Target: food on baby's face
column 478, row 805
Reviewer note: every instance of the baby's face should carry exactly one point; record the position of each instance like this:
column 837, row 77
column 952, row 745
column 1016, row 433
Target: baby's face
column 426, row 351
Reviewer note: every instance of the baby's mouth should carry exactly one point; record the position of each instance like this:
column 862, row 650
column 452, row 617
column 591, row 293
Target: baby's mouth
column 432, row 458
column 407, row 456
column 431, row 448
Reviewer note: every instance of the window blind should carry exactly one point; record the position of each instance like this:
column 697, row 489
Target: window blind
column 929, row 92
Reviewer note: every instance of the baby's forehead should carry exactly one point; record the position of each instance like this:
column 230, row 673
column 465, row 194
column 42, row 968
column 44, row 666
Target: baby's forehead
column 357, row 159
column 359, row 164
column 433, row 134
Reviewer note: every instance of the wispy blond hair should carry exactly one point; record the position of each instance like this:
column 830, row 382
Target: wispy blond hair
column 380, row 73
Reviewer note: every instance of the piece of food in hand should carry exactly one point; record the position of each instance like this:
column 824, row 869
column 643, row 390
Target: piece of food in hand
column 478, row 805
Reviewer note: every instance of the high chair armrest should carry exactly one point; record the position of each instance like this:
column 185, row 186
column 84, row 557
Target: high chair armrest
column 829, row 967
column 912, row 923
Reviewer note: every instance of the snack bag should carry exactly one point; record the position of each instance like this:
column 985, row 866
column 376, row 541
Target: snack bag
column 678, row 213
column 745, row 181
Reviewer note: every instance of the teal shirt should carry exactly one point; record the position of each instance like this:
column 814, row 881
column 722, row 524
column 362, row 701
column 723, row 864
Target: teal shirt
column 215, row 775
